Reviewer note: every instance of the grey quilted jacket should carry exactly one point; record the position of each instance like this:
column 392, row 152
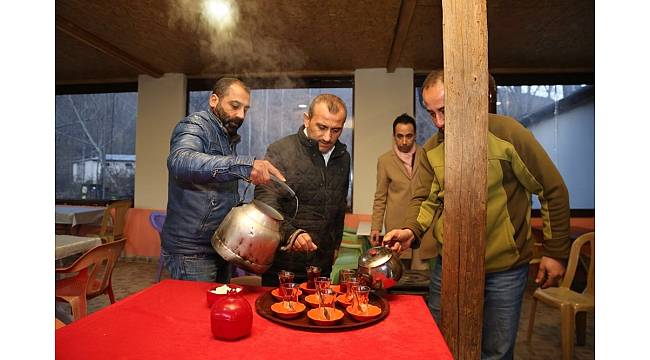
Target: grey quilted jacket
column 322, row 193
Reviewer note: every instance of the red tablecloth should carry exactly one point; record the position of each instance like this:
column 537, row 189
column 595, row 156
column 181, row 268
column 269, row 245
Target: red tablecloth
column 171, row 320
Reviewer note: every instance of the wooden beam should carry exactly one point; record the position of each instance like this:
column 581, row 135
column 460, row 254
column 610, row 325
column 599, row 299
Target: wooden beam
column 517, row 71
column 406, row 10
column 104, row 46
column 466, row 106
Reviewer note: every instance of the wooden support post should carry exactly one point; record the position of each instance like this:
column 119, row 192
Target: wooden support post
column 466, row 108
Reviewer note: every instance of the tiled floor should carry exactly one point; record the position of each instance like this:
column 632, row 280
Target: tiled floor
column 131, row 276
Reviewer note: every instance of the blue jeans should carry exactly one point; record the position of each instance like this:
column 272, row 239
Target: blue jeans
column 502, row 298
column 198, row 267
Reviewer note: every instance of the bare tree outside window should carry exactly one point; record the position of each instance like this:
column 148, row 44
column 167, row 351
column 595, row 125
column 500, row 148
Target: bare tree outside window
column 95, row 145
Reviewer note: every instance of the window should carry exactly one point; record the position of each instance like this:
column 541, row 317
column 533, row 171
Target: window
column 276, row 113
column 95, row 145
column 561, row 117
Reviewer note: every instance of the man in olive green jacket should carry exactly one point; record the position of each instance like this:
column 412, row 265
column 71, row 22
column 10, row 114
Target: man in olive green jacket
column 517, row 167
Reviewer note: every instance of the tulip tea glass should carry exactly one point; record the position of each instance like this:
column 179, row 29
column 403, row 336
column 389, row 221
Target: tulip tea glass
column 352, row 282
column 322, row 282
column 289, row 293
column 344, row 275
column 312, row 273
column 285, row 276
column 327, row 302
column 361, row 294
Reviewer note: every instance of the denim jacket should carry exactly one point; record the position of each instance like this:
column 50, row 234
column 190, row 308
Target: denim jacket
column 204, row 170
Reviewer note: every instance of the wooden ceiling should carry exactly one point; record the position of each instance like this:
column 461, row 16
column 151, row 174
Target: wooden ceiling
column 115, row 41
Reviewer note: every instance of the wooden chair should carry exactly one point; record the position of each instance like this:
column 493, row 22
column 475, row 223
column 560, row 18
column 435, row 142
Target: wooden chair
column 571, row 303
column 91, row 277
column 113, row 232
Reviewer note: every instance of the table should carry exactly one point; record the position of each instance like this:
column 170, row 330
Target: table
column 77, row 215
column 70, row 216
column 171, row 319
column 413, row 282
column 67, row 245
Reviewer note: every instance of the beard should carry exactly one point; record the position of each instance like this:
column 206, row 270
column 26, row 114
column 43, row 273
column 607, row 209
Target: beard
column 232, row 124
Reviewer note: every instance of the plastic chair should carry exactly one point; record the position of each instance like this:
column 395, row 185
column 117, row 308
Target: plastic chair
column 116, row 231
column 92, row 277
column 58, row 324
column 570, row 303
column 157, row 219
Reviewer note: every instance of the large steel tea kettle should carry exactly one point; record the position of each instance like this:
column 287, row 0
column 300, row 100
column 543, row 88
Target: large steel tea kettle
column 249, row 235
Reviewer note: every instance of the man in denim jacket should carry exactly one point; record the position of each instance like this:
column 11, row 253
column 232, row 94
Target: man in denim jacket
column 204, row 170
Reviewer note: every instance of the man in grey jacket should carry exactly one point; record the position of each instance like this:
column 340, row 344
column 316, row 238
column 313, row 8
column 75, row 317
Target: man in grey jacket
column 204, row 170
column 317, row 168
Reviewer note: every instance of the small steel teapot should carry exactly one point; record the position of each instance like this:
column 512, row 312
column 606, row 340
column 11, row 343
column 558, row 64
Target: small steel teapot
column 380, row 267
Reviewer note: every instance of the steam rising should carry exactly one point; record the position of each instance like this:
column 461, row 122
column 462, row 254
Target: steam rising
column 233, row 37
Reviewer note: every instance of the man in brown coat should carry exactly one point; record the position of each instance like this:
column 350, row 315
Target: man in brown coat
column 395, row 170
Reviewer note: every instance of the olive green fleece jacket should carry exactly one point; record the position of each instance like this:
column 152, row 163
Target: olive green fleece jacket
column 517, row 167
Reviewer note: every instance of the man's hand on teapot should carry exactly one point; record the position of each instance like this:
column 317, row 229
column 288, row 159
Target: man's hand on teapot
column 262, row 171
column 398, row 240
column 304, row 243
column 374, row 238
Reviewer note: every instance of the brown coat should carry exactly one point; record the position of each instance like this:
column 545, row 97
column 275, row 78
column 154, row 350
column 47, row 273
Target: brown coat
column 392, row 197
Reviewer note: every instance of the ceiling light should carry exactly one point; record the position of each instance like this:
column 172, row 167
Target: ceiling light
column 220, row 10
column 221, row 14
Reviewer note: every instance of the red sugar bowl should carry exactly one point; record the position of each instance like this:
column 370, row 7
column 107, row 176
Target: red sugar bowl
column 231, row 317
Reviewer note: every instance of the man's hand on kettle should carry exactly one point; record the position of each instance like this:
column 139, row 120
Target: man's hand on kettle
column 262, row 171
column 304, row 243
column 398, row 240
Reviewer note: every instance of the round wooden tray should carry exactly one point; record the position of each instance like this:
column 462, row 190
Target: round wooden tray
column 264, row 302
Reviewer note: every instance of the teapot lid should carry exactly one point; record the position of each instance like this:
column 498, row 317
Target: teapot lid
column 375, row 256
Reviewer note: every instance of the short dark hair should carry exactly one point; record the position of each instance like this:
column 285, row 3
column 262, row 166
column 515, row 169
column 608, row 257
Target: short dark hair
column 333, row 102
column 404, row 119
column 223, row 84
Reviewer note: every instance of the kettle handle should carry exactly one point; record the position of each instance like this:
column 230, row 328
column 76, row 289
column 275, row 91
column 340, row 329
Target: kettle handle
column 283, row 185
